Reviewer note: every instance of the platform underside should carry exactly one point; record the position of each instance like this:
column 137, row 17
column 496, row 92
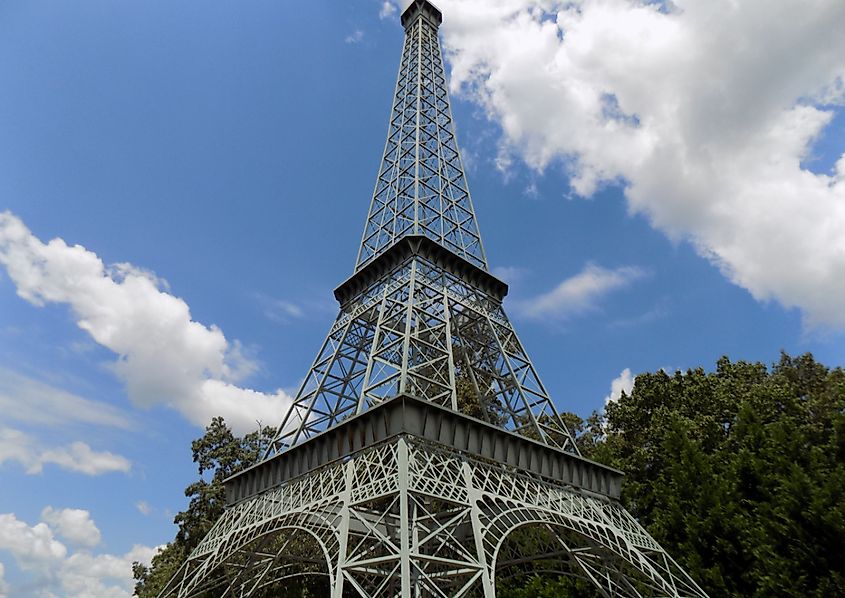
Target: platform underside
column 411, row 517
column 425, row 420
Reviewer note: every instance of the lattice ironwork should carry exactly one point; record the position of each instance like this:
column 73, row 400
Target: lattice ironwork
column 421, row 331
column 409, row 515
column 437, row 503
column 421, row 188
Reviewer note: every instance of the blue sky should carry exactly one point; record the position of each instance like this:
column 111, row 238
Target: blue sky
column 229, row 150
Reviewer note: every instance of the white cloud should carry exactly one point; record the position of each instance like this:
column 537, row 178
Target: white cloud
column 16, row 446
column 622, row 383
column 579, row 293
column 77, row 456
column 80, row 574
column 702, row 111
column 74, row 525
column 84, row 575
column 32, row 547
column 163, row 355
column 31, row 401
column 354, row 37
column 143, row 507
column 469, row 159
column 388, row 9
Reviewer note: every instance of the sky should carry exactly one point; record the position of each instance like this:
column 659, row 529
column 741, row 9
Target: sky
column 182, row 185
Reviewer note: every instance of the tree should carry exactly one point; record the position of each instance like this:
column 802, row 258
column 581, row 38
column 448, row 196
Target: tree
column 473, row 403
column 738, row 473
column 218, row 453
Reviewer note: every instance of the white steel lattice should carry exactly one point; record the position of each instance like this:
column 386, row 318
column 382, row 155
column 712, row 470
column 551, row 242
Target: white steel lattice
column 421, row 188
column 416, row 330
column 410, row 516
column 422, row 317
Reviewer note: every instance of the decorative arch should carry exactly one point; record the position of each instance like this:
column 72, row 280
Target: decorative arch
column 202, row 571
column 549, row 554
column 268, row 569
column 606, row 558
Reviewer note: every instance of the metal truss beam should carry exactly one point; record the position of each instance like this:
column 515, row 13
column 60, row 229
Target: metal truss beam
column 421, row 188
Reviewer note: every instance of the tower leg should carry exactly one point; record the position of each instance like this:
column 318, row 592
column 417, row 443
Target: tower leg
column 343, row 532
column 404, row 520
column 475, row 497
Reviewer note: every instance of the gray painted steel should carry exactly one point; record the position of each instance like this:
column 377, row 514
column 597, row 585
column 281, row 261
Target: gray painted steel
column 379, row 480
column 447, row 429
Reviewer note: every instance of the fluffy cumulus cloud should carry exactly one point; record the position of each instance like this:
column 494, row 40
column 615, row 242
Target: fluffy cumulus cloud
column 17, row 446
column 52, row 570
column 33, row 547
column 624, row 382
column 579, row 293
column 74, row 525
column 164, row 356
column 79, row 457
column 705, row 112
column 85, row 575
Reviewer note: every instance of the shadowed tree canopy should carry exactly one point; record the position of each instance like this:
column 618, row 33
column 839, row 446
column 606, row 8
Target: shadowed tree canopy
column 739, row 473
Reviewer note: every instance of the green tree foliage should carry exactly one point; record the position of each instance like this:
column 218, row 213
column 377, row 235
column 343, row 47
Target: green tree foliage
column 218, row 455
column 473, row 403
column 738, row 473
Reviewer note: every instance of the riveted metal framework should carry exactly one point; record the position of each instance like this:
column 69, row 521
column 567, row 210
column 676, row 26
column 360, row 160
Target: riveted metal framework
column 415, row 322
column 408, row 517
column 421, row 188
column 422, row 455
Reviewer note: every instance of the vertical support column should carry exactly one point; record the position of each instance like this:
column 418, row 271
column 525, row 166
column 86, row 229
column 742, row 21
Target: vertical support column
column 447, row 318
column 474, row 496
column 404, row 519
column 409, row 318
column 343, row 530
column 282, row 439
column 365, row 383
column 540, row 394
column 438, row 60
column 418, row 28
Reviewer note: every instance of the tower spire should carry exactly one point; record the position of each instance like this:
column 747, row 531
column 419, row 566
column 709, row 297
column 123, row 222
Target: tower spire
column 421, row 9
column 421, row 188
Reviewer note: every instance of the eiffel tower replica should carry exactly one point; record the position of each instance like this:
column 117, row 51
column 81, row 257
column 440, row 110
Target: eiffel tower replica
column 422, row 445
